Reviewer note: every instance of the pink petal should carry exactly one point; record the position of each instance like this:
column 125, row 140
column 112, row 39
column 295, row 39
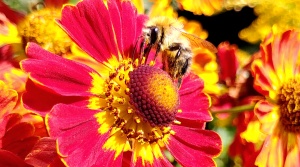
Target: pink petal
column 207, row 142
column 41, row 100
column 191, row 148
column 195, row 109
column 63, row 76
column 107, row 31
column 127, row 24
column 191, row 83
column 192, row 124
column 90, row 25
column 139, row 163
column 107, row 159
column 35, row 51
column 76, row 130
column 161, row 162
column 193, row 103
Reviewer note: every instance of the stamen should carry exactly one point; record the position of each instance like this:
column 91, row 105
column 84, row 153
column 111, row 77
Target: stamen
column 133, row 97
column 289, row 104
column 40, row 27
column 154, row 95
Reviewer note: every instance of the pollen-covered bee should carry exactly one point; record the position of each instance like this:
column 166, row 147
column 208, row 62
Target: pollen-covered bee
column 167, row 36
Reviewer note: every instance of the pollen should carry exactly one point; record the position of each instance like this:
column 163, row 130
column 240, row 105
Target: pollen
column 139, row 100
column 154, row 95
column 289, row 105
column 40, row 27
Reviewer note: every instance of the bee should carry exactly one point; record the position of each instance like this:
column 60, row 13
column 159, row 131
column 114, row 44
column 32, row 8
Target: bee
column 168, row 38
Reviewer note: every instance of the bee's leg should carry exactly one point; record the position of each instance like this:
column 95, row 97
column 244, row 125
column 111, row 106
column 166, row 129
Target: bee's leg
column 179, row 82
column 184, row 69
column 174, row 47
column 135, row 47
column 157, row 50
column 148, row 49
column 146, row 52
column 142, row 51
column 185, row 66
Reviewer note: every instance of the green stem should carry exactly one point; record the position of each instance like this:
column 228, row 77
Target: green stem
column 237, row 109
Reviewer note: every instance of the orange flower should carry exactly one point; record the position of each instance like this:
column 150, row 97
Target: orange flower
column 277, row 77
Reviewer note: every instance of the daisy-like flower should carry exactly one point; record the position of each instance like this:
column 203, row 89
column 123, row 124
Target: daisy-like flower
column 38, row 26
column 277, row 78
column 123, row 111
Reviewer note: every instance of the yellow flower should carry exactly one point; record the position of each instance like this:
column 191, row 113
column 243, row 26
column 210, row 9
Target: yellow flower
column 39, row 26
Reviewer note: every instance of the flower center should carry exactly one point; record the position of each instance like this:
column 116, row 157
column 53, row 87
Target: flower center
column 289, row 102
column 154, row 95
column 40, row 27
column 139, row 100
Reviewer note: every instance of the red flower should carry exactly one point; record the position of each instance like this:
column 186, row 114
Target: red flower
column 228, row 63
column 124, row 110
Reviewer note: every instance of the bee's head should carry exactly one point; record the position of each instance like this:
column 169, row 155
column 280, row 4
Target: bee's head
column 151, row 33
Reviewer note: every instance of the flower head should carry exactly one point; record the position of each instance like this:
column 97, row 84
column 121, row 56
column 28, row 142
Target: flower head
column 38, row 26
column 124, row 109
column 277, row 78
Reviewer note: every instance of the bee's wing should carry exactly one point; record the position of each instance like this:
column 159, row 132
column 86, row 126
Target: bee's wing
column 197, row 42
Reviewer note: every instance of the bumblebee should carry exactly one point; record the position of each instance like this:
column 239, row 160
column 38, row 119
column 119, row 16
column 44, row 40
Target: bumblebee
column 168, row 38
